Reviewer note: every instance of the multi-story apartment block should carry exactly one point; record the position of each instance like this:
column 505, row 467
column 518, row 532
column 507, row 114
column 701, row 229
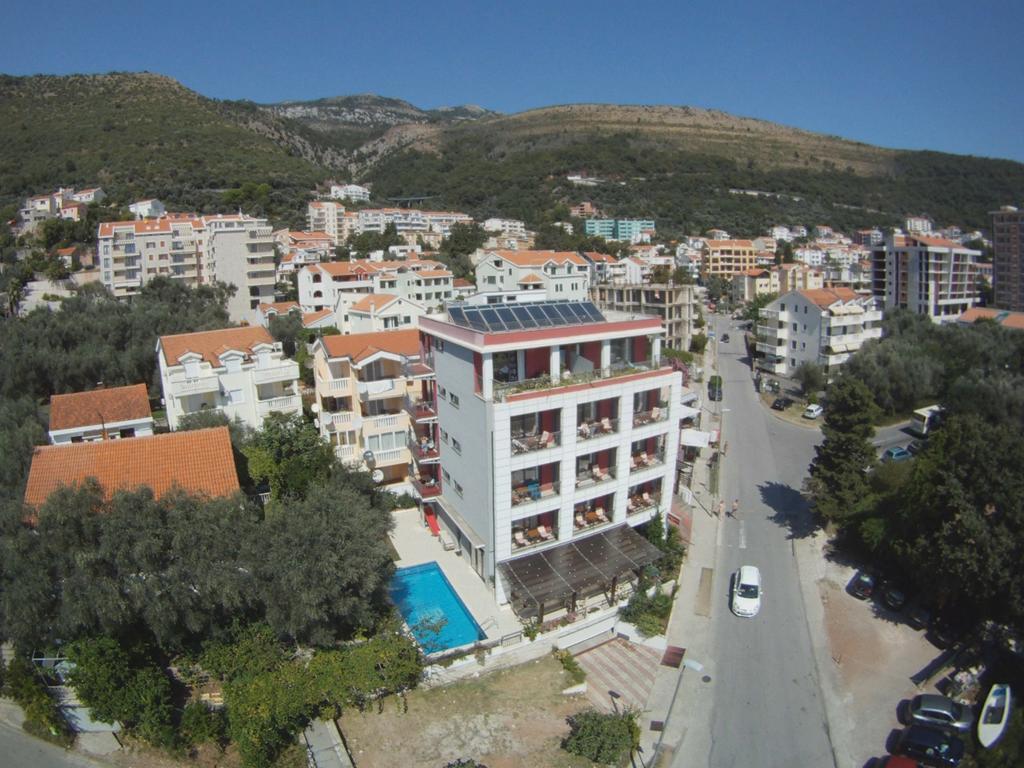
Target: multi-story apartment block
column 353, row 192
column 678, row 306
column 378, row 312
column 295, row 260
column 868, row 237
column 759, row 281
column 338, row 284
column 368, row 400
column 584, row 210
column 559, row 430
column 101, row 414
column 927, row 275
column 198, row 250
column 917, row 225
column 409, row 222
column 316, row 241
column 726, row 258
column 147, row 209
column 1008, row 262
column 241, row 372
column 796, row 277
column 823, row 327
column 331, row 218
column 509, row 227
column 628, row 230
column 779, row 232
column 561, row 274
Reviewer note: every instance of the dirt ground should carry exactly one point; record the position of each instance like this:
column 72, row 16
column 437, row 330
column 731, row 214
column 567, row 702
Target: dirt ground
column 510, row 718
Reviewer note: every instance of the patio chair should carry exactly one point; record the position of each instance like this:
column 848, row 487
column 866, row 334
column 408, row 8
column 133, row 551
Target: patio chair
column 584, row 430
column 632, row 462
column 630, row 506
column 545, row 439
column 647, row 498
column 596, row 473
column 519, row 538
column 600, row 515
column 655, row 414
column 580, row 520
column 606, row 424
column 544, row 533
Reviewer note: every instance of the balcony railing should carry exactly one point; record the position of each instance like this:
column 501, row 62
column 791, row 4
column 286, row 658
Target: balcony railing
column 424, row 451
column 345, row 453
column 381, row 389
column 334, row 387
column 584, row 519
column 388, row 421
column 391, row 457
column 524, row 538
column 656, row 414
column 641, row 461
column 285, row 371
column 504, row 389
column 341, row 422
column 427, row 488
column 594, row 477
column 195, row 386
column 588, row 430
column 641, row 502
column 530, row 443
column 282, row 404
column 533, row 491
column 420, row 410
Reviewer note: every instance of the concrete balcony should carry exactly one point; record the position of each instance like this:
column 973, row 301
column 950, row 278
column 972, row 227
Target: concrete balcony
column 287, row 370
column 344, row 421
column 424, row 452
column 391, row 457
column 390, row 422
column 286, row 404
column 426, row 488
column 326, row 387
column 381, row 389
column 181, row 387
column 421, row 411
column 347, row 453
column 770, row 347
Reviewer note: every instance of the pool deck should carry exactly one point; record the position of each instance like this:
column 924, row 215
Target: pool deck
column 416, row 545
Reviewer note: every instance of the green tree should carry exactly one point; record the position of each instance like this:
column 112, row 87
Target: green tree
column 838, row 475
column 717, row 287
column 608, row 738
column 289, row 455
column 462, row 240
column 752, row 310
column 810, row 376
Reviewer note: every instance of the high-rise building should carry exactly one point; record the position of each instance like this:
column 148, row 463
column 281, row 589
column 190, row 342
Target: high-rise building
column 1008, row 262
column 558, row 434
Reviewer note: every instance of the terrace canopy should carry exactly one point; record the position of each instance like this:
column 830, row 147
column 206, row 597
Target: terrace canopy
column 558, row 576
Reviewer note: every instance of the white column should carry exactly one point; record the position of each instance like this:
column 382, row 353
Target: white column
column 520, row 364
column 555, row 363
column 606, row 355
column 487, row 374
column 656, row 350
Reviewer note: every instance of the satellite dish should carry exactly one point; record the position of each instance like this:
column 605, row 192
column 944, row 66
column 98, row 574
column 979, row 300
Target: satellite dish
column 377, row 476
column 368, row 457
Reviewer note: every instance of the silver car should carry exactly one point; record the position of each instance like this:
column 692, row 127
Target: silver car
column 940, row 712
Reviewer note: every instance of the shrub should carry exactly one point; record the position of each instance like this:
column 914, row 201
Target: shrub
column 604, row 738
column 572, row 667
column 42, row 718
column 199, row 724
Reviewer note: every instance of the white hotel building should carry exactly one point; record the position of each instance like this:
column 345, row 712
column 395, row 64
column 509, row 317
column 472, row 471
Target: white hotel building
column 558, row 434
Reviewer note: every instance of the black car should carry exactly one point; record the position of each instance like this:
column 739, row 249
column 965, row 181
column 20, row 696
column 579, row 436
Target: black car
column 781, row 403
column 863, row 585
column 919, row 616
column 941, row 632
column 725, row 338
column 933, row 746
column 893, row 597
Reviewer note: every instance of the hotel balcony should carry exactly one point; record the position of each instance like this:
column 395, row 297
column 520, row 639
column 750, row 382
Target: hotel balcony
column 382, row 389
column 343, row 421
column 643, row 501
column 503, row 390
column 286, row 404
column 181, row 386
column 593, row 514
column 426, row 486
column 535, row 442
column 424, row 450
column 286, row 370
column 390, row 457
column 386, row 422
column 653, row 416
column 421, row 411
column 528, row 485
column 534, row 531
column 638, row 462
column 347, row 453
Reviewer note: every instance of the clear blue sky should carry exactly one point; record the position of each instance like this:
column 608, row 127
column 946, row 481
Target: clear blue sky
column 929, row 74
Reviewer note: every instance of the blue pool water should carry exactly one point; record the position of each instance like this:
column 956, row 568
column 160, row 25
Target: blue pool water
column 437, row 617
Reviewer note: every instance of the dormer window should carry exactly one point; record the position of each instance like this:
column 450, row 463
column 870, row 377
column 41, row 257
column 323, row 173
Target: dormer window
column 191, row 369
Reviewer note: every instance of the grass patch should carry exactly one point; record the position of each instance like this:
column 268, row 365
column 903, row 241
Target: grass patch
column 576, row 673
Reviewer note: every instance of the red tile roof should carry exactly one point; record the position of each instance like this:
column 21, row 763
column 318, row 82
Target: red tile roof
column 540, row 258
column 210, row 344
column 359, row 346
column 100, row 406
column 532, row 277
column 1004, row 317
column 199, row 462
column 308, row 318
column 826, row 297
column 936, row 242
column 461, row 282
column 280, row 307
column 373, row 302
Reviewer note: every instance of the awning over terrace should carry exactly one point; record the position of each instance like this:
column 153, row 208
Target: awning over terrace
column 577, row 568
column 695, row 438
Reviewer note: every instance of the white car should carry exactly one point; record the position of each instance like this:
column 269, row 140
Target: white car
column 746, row 591
column 813, row 411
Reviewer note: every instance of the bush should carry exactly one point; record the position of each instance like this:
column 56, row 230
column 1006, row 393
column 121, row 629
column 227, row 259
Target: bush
column 42, row 718
column 698, row 342
column 604, row 738
column 199, row 724
column 572, row 667
column 648, row 613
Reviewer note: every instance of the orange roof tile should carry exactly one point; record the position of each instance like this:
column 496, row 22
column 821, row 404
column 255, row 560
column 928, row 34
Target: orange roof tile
column 756, row 272
column 359, row 346
column 532, row 277
column 373, row 302
column 936, row 242
column 540, row 258
column 99, row 406
column 280, row 307
column 461, row 282
column 595, row 256
column 434, row 273
column 729, row 243
column 826, row 297
column 308, row 318
column 210, row 344
column 199, row 462
column 1005, row 318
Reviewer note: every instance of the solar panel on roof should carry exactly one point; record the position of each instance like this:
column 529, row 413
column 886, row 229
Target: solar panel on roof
column 525, row 321
column 592, row 311
column 457, row 315
column 537, row 313
column 510, row 320
column 553, row 314
column 541, row 314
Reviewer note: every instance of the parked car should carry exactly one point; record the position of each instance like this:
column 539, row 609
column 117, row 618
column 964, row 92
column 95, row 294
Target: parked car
column 746, row 591
column 863, row 585
column 941, row 632
column 813, row 411
column 939, row 712
column 915, row 447
column 893, row 597
column 931, row 745
column 896, row 453
column 715, row 388
column 781, row 403
column 918, row 616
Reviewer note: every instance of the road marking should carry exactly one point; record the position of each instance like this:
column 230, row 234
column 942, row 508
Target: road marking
column 743, row 535
column 703, row 606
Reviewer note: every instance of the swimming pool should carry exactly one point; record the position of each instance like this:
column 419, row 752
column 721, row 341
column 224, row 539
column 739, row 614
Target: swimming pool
column 439, row 620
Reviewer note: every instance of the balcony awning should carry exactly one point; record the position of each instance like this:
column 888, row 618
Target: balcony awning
column 686, row 412
column 578, row 567
column 695, row 438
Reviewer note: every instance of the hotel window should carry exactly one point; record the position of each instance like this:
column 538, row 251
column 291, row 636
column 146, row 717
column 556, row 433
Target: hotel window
column 456, row 446
column 453, row 399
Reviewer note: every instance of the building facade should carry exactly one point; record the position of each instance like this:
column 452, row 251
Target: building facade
column 927, row 275
column 823, row 327
column 556, row 423
column 338, row 284
column 241, row 372
column 353, row 192
column 1008, row 260
column 628, row 230
column 678, row 306
column 101, row 414
column 725, row 258
column 561, row 274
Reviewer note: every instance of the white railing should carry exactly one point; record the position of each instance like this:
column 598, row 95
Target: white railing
column 383, row 388
column 346, row 420
column 284, row 404
column 287, row 371
column 381, row 422
column 391, row 456
column 195, row 386
column 345, row 452
column 335, row 386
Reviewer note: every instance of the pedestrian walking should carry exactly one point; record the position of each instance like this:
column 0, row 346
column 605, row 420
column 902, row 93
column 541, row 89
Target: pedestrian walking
column 721, row 507
column 735, row 507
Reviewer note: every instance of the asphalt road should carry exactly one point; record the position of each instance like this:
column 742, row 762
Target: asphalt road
column 19, row 750
column 767, row 702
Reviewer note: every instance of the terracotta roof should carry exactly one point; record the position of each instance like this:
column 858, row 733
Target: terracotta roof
column 730, row 244
column 936, row 242
column 540, row 258
column 280, row 307
column 1003, row 317
column 210, row 344
column 69, row 251
column 373, row 302
column 434, row 273
column 308, row 318
column 756, row 273
column 461, row 282
column 532, row 277
column 199, row 461
column 359, row 346
column 826, row 297
column 100, row 406
column 305, row 235
column 595, row 256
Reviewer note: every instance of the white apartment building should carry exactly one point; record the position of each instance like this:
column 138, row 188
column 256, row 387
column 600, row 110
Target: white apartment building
column 424, row 281
column 561, row 274
column 332, row 218
column 241, row 372
column 147, row 209
column 409, row 222
column 199, row 250
column 369, row 312
column 780, row 233
column 366, row 388
column 295, row 260
column 352, row 192
column 508, row 227
column 823, row 326
column 100, row 414
column 317, row 241
column 536, row 469
column 917, row 225
column 783, row 278
column 927, row 275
